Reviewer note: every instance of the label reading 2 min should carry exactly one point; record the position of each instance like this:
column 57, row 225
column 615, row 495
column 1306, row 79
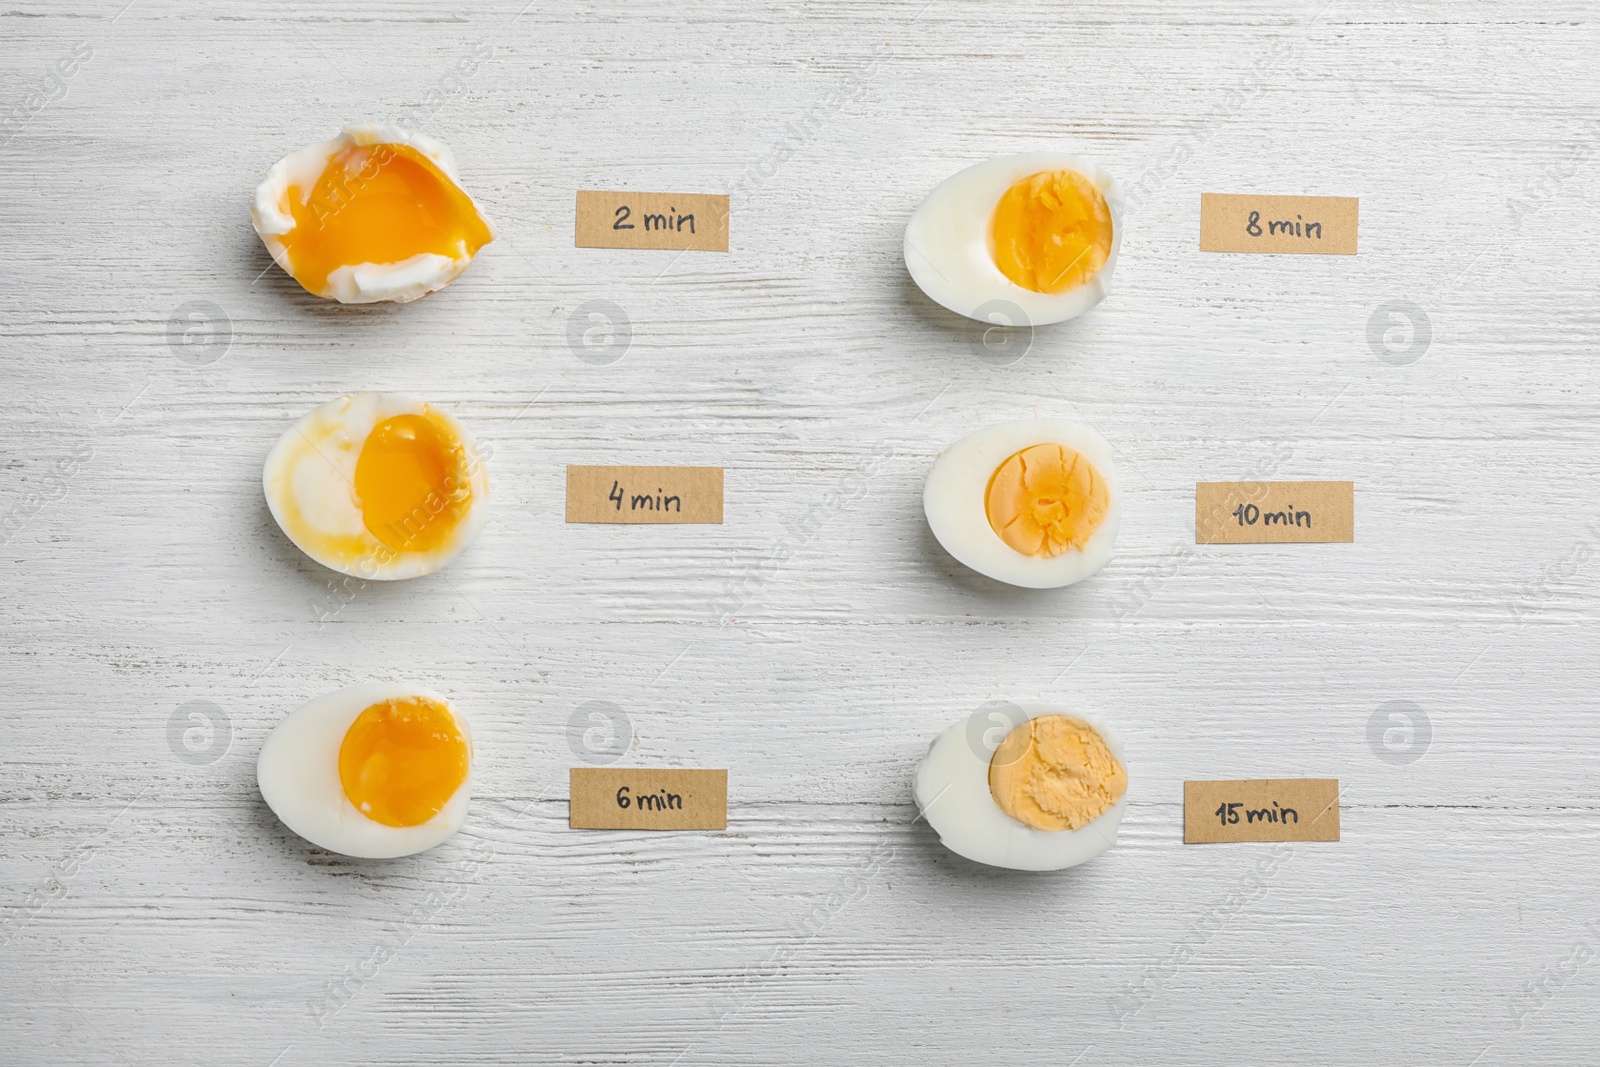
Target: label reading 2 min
column 685, row 221
column 638, row 495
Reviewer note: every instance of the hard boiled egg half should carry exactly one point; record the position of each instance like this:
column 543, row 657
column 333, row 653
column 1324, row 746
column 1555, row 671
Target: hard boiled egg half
column 376, row 213
column 375, row 771
column 1038, row 231
column 378, row 486
column 1024, row 785
column 1031, row 503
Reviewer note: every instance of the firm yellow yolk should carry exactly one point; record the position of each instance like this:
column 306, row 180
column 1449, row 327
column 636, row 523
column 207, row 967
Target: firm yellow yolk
column 412, row 482
column 1046, row 499
column 1055, row 773
column 402, row 760
column 380, row 203
column 1051, row 231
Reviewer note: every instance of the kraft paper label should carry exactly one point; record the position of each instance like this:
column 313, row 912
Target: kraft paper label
column 1314, row 225
column 1261, row 809
column 1254, row 513
column 694, row 221
column 644, row 494
column 648, row 798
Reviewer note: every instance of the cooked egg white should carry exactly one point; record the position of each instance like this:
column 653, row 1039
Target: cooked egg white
column 378, row 486
column 374, row 771
column 1039, row 230
column 1024, row 785
column 376, row 213
column 1032, row 503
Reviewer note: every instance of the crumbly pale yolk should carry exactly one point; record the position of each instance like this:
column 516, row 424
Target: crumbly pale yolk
column 1046, row 499
column 1055, row 773
column 402, row 760
column 380, row 203
column 412, row 483
column 1051, row 231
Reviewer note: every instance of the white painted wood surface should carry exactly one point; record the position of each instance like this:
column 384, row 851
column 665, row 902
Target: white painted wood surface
column 155, row 912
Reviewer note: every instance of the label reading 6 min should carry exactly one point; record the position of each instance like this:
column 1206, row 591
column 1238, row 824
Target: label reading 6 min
column 634, row 495
column 648, row 798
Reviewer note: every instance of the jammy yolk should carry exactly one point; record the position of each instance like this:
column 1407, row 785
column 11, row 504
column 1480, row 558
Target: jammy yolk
column 412, row 482
column 381, row 203
column 1055, row 772
column 1046, row 499
column 1051, row 231
column 402, row 761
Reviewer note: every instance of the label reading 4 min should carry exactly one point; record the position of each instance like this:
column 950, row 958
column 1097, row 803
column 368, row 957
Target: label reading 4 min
column 638, row 495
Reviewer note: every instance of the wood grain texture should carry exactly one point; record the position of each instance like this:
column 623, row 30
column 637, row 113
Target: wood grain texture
column 153, row 911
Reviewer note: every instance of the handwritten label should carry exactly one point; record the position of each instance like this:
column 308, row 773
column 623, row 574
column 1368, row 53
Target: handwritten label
column 1255, row 513
column 694, row 221
column 632, row 495
column 648, row 798
column 1261, row 809
column 1318, row 225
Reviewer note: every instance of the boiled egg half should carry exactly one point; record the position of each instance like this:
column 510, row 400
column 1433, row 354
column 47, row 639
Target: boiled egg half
column 1024, row 785
column 1037, row 231
column 375, row 771
column 378, row 486
column 1032, row 503
column 377, row 213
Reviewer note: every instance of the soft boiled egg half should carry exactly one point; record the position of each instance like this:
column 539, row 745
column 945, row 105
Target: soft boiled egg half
column 1024, row 785
column 1039, row 231
column 374, row 214
column 1032, row 503
column 374, row 771
column 378, row 486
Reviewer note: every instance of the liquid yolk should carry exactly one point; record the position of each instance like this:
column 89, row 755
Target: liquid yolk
column 1051, row 231
column 402, row 761
column 1055, row 773
column 379, row 203
column 1046, row 499
column 412, row 483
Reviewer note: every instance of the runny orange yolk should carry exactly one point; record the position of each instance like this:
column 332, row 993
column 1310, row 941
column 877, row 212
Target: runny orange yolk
column 1046, row 499
column 1051, row 231
column 412, row 482
column 380, row 203
column 402, row 760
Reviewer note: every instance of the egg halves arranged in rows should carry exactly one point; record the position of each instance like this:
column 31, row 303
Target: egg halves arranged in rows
column 381, row 487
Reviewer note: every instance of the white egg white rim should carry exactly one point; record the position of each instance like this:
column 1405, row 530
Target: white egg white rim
column 359, row 283
column 951, row 789
column 371, row 565
column 981, row 186
column 961, row 474
column 302, row 739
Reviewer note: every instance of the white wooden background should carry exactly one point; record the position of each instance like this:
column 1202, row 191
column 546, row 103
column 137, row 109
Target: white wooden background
column 152, row 910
